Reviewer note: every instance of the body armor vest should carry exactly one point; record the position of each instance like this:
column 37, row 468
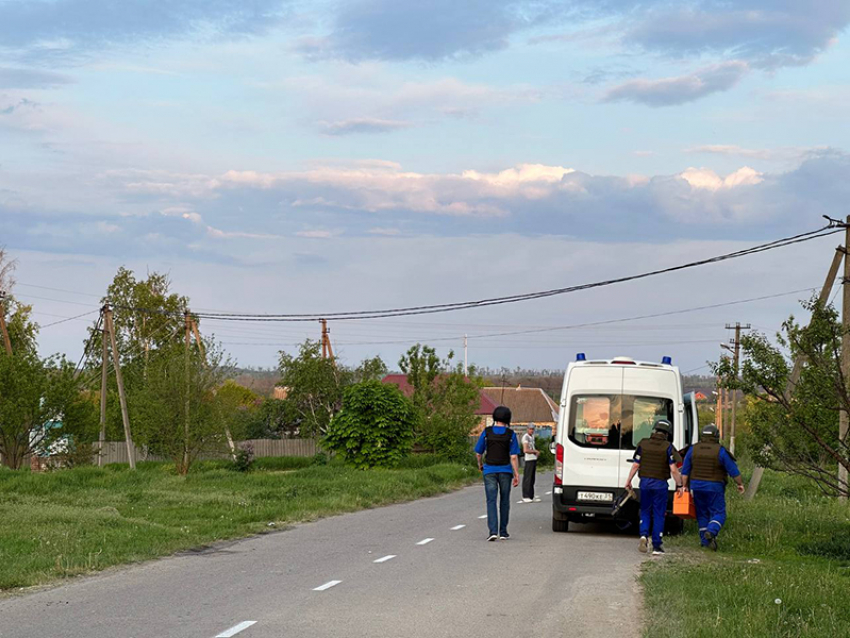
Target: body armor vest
column 498, row 447
column 706, row 465
column 653, row 460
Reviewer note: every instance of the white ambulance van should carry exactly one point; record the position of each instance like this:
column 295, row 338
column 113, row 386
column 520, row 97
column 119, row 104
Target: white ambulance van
column 607, row 407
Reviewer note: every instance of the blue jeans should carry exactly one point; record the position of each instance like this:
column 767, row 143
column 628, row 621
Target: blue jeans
column 711, row 512
column 498, row 485
column 653, row 508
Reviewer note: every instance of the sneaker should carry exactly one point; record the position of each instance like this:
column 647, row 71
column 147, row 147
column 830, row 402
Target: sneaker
column 537, row 500
column 504, row 537
column 711, row 541
column 642, row 547
column 492, row 537
column 658, row 551
column 526, row 500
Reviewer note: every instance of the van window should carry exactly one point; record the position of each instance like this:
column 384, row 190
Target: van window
column 615, row 421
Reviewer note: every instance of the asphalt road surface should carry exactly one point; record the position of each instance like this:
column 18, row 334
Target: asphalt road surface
column 416, row 569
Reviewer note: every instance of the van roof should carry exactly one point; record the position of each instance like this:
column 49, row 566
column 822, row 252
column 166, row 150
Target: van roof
column 623, row 361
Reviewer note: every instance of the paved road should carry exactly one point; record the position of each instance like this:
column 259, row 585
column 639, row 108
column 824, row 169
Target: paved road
column 456, row 585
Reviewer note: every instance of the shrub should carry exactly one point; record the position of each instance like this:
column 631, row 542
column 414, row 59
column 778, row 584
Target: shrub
column 374, row 427
column 244, row 458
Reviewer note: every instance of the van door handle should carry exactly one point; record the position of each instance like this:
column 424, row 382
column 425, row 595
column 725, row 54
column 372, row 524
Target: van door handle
column 630, row 460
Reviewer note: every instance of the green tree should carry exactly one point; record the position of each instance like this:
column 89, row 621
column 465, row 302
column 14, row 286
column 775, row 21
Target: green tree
column 178, row 412
column 38, row 403
column 374, row 428
column 373, row 369
column 796, row 431
column 240, row 407
column 315, row 387
column 444, row 400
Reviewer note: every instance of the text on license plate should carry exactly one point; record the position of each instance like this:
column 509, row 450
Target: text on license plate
column 596, row 496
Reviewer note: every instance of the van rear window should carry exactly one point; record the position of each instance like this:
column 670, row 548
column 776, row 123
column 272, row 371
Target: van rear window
column 615, row 421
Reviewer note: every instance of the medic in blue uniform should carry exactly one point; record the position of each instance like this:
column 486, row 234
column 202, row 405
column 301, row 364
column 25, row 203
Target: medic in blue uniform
column 707, row 465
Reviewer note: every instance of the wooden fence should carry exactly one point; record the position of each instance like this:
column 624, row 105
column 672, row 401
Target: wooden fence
column 116, row 451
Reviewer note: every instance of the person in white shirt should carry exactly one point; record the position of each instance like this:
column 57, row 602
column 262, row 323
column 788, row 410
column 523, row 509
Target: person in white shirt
column 529, row 474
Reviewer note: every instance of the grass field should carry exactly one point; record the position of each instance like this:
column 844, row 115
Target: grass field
column 783, row 570
column 68, row 522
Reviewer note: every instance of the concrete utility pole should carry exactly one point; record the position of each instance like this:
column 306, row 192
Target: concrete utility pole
column 6, row 341
column 465, row 356
column 844, row 418
column 737, row 361
column 119, row 378
column 799, row 360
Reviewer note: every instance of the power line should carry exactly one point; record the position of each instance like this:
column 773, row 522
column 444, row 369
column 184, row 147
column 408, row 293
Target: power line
column 466, row 305
column 56, row 323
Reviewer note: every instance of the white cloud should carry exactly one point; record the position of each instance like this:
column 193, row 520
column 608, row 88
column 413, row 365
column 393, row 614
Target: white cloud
column 703, row 178
column 315, row 234
column 363, row 125
column 780, row 154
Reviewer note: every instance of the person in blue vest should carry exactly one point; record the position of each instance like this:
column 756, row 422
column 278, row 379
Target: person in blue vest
column 497, row 451
column 655, row 462
column 707, row 466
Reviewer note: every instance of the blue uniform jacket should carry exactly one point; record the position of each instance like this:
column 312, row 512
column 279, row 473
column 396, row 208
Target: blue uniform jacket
column 711, row 486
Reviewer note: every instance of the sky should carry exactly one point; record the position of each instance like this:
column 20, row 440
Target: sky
column 278, row 156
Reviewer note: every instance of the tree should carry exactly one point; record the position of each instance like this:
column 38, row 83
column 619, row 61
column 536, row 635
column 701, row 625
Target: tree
column 315, row 387
column 178, row 412
column 38, row 404
column 240, row 407
column 797, row 431
column 374, row 428
column 444, row 401
column 373, row 369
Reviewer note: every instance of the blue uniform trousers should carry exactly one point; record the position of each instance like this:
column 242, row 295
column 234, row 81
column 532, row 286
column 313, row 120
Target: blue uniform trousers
column 653, row 507
column 711, row 511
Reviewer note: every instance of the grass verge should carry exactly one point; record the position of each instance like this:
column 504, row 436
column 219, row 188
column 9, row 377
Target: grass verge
column 782, row 571
column 68, row 522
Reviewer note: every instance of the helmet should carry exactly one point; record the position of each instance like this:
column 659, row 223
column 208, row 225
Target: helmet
column 502, row 414
column 710, row 430
column 663, row 425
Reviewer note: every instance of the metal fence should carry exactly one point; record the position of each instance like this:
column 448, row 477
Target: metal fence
column 116, row 451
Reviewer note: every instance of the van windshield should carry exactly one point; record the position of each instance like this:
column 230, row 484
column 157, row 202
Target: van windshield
column 615, row 421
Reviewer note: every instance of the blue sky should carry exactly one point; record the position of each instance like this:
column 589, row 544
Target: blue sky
column 293, row 156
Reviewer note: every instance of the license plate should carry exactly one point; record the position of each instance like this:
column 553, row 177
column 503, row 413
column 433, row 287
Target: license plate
column 596, row 496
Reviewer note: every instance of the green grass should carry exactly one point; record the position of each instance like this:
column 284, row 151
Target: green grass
column 68, row 522
column 790, row 545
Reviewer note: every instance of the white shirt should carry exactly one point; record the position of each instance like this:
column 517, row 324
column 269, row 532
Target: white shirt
column 526, row 438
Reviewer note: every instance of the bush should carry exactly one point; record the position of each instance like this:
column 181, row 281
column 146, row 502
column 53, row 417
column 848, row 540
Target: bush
column 244, row 458
column 546, row 458
column 374, row 427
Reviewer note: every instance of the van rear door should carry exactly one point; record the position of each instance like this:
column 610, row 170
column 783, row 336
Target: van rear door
column 691, row 419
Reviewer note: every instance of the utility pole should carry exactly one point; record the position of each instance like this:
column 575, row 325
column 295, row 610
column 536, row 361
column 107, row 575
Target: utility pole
column 737, row 353
column 823, row 299
column 104, row 373
column 843, row 417
column 465, row 357
column 327, row 348
column 202, row 350
column 6, row 341
column 718, row 409
column 122, row 397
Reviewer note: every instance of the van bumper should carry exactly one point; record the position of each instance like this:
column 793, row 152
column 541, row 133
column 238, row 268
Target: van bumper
column 566, row 506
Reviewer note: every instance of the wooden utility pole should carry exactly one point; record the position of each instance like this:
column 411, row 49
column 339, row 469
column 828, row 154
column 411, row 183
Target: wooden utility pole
column 122, row 397
column 230, row 443
column 799, row 360
column 103, row 379
column 6, row 341
column 718, row 409
column 736, row 364
column 465, row 356
column 843, row 417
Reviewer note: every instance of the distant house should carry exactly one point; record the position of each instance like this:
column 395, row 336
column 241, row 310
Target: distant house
column 527, row 405
column 280, row 392
column 484, row 409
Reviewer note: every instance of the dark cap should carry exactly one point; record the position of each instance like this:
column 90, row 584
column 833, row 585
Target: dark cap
column 502, row 414
column 710, row 430
column 663, row 425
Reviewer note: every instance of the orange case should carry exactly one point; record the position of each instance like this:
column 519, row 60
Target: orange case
column 683, row 505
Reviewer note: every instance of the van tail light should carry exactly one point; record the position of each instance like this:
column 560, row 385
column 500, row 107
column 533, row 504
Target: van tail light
column 559, row 464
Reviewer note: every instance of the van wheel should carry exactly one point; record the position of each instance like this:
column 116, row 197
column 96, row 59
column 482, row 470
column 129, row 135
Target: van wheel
column 673, row 525
column 560, row 526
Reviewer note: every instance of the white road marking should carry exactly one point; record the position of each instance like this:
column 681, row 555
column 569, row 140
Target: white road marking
column 425, row 541
column 457, row 527
column 236, row 629
column 328, row 585
column 384, row 559
column 548, row 493
column 485, row 516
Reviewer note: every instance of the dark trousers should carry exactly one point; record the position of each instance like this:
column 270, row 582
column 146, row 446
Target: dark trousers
column 529, row 474
column 653, row 509
column 498, row 486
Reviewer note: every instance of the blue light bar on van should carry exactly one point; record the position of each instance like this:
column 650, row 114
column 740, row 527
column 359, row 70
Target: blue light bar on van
column 667, row 361
column 580, row 357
